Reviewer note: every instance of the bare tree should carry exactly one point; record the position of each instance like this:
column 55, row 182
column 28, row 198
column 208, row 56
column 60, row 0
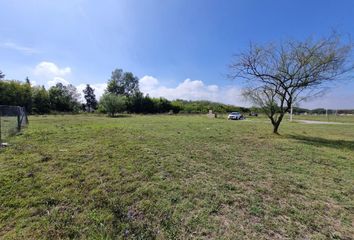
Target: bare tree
column 279, row 75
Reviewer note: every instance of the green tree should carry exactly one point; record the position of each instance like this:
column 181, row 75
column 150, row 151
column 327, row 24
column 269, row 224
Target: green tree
column 138, row 103
column 2, row 75
column 203, row 107
column 135, row 103
column 148, row 105
column 90, row 97
column 28, row 93
column 113, row 104
column 123, row 83
column 40, row 100
column 162, row 105
column 28, row 80
column 64, row 98
column 15, row 93
column 278, row 76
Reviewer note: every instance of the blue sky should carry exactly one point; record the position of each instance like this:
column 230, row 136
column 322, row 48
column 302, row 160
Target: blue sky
column 178, row 48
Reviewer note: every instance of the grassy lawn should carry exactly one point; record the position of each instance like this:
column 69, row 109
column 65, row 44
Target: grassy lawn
column 176, row 177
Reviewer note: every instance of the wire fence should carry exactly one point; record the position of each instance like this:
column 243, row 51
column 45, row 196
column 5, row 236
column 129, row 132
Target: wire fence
column 12, row 120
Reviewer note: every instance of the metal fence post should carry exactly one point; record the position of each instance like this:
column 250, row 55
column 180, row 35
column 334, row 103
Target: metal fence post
column 9, row 114
column 18, row 122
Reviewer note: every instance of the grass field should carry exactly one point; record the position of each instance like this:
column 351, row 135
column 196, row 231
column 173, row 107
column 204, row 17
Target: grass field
column 177, row 177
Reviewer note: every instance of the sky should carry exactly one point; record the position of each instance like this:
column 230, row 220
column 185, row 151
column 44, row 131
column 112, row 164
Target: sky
column 177, row 48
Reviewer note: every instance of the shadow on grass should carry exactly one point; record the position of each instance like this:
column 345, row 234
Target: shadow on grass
column 121, row 116
column 323, row 142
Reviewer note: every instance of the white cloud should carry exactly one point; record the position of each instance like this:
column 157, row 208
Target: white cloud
column 16, row 47
column 49, row 69
column 337, row 98
column 192, row 90
column 148, row 82
column 33, row 83
column 50, row 73
column 56, row 80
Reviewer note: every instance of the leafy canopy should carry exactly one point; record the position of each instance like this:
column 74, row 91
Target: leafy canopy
column 123, row 83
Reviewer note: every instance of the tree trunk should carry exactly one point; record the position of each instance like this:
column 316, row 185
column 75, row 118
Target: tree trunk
column 276, row 123
column 275, row 127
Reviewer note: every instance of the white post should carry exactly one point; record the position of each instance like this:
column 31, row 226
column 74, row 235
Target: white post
column 327, row 114
column 291, row 113
column 335, row 119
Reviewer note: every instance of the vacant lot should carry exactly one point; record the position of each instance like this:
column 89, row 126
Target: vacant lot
column 176, row 177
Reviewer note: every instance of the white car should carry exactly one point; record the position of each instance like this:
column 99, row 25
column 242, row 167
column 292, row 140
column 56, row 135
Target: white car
column 235, row 116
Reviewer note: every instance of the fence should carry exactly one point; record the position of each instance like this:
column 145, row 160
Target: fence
column 12, row 119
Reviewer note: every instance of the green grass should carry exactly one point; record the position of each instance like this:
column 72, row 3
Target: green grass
column 176, row 177
column 8, row 127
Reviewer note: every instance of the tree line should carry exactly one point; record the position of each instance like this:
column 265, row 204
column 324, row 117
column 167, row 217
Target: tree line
column 37, row 99
column 322, row 111
column 121, row 95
